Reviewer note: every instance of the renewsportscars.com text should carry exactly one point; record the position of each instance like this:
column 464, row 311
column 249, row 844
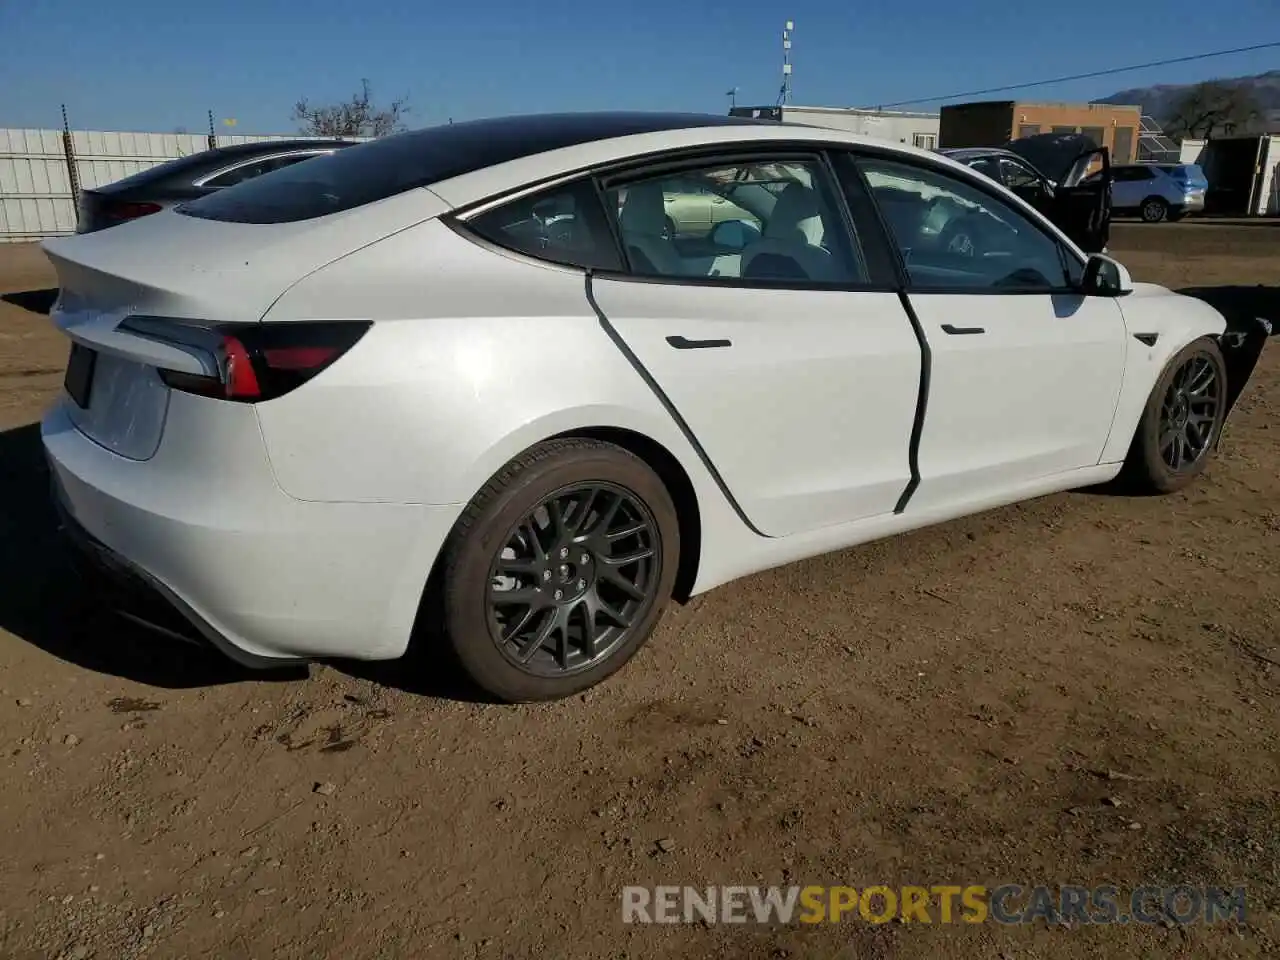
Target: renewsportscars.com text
column 939, row 904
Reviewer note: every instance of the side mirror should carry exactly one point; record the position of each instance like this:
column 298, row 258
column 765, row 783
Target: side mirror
column 1104, row 277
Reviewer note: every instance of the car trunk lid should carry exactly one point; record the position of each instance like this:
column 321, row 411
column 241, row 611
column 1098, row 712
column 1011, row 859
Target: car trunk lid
column 141, row 297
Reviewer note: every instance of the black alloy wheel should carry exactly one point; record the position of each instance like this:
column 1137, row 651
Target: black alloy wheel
column 1182, row 421
column 1189, row 413
column 558, row 570
column 572, row 578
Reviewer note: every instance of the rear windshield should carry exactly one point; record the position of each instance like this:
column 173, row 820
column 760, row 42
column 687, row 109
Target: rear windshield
column 383, row 168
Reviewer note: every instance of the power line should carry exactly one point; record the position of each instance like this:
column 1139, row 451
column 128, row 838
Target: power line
column 1083, row 76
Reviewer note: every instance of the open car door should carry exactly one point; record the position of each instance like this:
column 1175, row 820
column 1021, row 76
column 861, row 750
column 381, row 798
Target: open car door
column 1081, row 173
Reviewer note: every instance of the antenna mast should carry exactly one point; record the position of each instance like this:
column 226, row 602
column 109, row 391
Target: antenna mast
column 784, row 94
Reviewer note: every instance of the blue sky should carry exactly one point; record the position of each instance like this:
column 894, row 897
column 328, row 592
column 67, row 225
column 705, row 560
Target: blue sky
column 153, row 65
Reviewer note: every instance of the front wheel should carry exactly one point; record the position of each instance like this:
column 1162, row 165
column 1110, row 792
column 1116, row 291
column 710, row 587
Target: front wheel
column 1181, row 422
column 559, row 570
column 1154, row 210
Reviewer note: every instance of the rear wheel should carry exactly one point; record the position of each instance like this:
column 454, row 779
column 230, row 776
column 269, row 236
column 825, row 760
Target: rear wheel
column 1154, row 210
column 559, row 569
column 1182, row 421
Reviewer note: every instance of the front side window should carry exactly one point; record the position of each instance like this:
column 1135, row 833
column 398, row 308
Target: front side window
column 1017, row 175
column 951, row 234
column 987, row 167
column 563, row 224
column 773, row 221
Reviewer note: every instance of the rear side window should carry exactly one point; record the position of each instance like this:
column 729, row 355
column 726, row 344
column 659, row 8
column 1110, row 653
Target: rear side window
column 563, row 225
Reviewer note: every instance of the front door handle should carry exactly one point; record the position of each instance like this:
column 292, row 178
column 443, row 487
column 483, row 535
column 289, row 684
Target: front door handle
column 681, row 343
column 948, row 328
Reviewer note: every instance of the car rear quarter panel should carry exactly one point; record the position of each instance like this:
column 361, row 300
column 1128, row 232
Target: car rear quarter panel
column 1177, row 320
column 474, row 356
column 172, row 265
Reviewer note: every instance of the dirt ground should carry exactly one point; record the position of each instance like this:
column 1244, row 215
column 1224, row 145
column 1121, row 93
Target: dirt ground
column 1082, row 689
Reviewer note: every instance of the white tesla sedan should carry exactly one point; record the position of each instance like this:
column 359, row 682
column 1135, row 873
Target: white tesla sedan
column 466, row 378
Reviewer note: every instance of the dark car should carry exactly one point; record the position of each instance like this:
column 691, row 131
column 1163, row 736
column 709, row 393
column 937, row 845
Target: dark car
column 1067, row 177
column 186, row 178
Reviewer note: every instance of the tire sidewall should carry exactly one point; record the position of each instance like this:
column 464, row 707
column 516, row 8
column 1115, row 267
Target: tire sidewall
column 467, row 572
column 1157, row 204
column 1157, row 472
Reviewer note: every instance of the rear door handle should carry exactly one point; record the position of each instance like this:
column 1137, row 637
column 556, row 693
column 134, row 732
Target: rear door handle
column 948, row 328
column 681, row 343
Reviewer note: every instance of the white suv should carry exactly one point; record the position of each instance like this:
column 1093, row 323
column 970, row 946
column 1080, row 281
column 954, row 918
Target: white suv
column 1158, row 191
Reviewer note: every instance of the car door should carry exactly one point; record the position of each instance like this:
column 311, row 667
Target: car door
column 1080, row 210
column 1024, row 371
column 791, row 361
column 1027, row 184
column 1082, row 202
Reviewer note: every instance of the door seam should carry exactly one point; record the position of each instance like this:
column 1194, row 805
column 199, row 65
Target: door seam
column 671, row 410
column 922, row 404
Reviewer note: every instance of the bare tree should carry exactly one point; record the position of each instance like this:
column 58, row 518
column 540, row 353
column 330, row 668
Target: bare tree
column 1215, row 107
column 358, row 117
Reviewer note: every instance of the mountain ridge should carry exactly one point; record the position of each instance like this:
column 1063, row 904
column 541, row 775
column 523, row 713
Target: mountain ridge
column 1159, row 100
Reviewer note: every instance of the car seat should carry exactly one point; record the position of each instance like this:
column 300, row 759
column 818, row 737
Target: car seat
column 643, row 222
column 793, row 232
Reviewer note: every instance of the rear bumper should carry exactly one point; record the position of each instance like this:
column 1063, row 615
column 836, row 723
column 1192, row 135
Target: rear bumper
column 234, row 561
column 1193, row 204
column 139, row 597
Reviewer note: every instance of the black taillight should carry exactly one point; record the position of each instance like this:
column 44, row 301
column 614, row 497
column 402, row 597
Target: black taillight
column 128, row 210
column 260, row 362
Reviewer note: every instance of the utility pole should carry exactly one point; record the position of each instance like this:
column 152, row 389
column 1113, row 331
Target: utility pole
column 784, row 94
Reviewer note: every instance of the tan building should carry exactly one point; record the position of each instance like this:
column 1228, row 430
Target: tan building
column 996, row 122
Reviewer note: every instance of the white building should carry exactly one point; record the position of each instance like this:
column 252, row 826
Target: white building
column 897, row 126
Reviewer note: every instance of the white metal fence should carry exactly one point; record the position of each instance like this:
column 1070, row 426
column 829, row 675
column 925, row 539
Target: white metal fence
column 37, row 199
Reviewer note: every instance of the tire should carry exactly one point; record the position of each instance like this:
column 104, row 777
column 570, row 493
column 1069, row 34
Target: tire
column 671, row 228
column 1153, row 210
column 494, row 523
column 1147, row 468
